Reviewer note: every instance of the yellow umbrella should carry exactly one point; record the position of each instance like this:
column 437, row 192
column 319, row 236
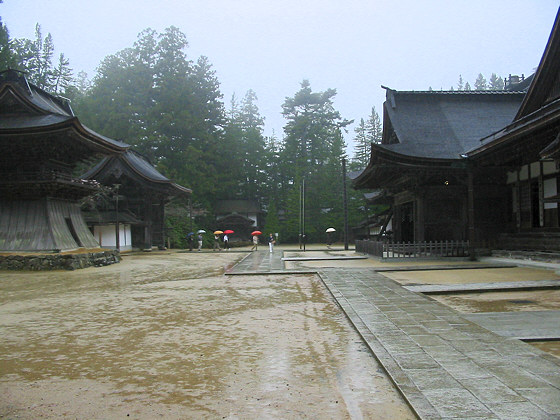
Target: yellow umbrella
column 218, row 232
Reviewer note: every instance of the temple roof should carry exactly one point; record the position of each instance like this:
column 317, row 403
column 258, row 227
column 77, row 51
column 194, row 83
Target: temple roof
column 535, row 126
column 28, row 109
column 138, row 167
column 444, row 124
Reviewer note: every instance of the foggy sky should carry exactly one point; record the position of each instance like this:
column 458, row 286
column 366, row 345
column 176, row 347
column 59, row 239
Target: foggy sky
column 270, row 46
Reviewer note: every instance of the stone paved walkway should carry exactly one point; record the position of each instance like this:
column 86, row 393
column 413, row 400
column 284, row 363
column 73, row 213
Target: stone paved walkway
column 526, row 325
column 445, row 366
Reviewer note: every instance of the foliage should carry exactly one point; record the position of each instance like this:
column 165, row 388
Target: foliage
column 35, row 58
column 495, row 83
column 312, row 151
column 480, row 82
column 165, row 105
column 169, row 108
column 272, row 223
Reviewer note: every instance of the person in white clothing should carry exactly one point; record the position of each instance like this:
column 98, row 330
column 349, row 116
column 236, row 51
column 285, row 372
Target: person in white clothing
column 271, row 242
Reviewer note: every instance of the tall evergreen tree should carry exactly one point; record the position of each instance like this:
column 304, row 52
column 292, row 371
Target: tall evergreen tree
column 361, row 145
column 460, row 84
column 480, row 83
column 168, row 107
column 313, row 149
column 495, row 82
column 374, row 128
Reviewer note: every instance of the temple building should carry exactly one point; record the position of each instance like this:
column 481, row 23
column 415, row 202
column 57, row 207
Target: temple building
column 132, row 215
column 474, row 165
column 241, row 216
column 41, row 143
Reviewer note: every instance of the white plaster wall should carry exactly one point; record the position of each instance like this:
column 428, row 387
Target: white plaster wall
column 106, row 236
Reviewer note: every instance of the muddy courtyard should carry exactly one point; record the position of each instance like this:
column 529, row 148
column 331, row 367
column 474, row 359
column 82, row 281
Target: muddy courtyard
column 168, row 335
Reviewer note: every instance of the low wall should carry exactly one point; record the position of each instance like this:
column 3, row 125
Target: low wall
column 38, row 262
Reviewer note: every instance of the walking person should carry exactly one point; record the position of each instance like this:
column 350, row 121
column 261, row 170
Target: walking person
column 199, row 241
column 226, row 242
column 255, row 243
column 190, row 241
column 216, row 243
column 271, row 242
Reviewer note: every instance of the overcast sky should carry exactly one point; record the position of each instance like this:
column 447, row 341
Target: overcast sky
column 354, row 46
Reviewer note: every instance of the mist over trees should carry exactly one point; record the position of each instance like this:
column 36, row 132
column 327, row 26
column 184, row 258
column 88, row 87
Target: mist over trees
column 169, row 107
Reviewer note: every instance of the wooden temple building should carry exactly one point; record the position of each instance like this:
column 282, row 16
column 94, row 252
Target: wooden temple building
column 135, row 209
column 241, row 216
column 481, row 166
column 41, row 143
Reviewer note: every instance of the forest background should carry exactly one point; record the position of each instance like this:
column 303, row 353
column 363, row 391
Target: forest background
column 169, row 107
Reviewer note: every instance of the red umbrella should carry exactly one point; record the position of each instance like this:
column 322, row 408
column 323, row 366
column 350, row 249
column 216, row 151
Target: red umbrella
column 256, row 232
column 228, row 232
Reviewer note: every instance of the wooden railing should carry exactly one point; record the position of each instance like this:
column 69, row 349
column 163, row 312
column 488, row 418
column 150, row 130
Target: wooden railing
column 413, row 249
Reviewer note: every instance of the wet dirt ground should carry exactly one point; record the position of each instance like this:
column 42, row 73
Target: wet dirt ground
column 166, row 335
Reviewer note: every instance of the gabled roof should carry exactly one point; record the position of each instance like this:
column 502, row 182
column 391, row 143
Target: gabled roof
column 28, row 109
column 444, row 124
column 538, row 113
column 138, row 167
column 546, row 76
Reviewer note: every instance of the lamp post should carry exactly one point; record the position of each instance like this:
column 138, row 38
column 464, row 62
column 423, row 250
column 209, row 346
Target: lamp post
column 345, row 204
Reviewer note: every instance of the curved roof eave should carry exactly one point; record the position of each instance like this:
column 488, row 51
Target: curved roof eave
column 381, row 155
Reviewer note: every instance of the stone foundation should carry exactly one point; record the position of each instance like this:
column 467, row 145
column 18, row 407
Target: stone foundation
column 73, row 261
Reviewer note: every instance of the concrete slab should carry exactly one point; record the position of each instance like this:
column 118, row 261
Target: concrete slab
column 484, row 287
column 535, row 325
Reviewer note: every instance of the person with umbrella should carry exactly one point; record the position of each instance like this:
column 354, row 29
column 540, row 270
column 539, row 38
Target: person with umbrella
column 256, row 234
column 226, row 239
column 217, row 240
column 329, row 237
column 200, row 232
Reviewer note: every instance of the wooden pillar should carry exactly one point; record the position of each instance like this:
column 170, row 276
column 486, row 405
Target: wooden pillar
column 531, row 215
column 541, row 195
column 518, row 187
column 470, row 201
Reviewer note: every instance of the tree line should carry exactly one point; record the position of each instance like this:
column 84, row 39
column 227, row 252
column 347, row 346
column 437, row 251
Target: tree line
column 169, row 107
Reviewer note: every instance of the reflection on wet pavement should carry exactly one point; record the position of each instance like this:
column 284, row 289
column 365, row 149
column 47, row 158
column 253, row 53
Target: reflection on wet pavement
column 168, row 335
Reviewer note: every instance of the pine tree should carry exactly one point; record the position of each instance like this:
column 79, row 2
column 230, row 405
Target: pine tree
column 361, row 144
column 374, row 128
column 495, row 83
column 62, row 75
column 460, row 84
column 480, row 83
column 313, row 148
column 467, row 86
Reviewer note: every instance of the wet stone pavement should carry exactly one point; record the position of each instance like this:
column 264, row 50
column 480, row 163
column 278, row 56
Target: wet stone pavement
column 445, row 365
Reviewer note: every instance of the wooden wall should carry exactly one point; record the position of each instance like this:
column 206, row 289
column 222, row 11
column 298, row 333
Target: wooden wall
column 43, row 225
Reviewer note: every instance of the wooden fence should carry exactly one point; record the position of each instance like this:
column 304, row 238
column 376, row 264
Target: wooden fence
column 414, row 249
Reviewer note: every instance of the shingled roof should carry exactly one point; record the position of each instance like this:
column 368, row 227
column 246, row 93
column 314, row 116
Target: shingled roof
column 28, row 109
column 444, row 124
column 138, row 167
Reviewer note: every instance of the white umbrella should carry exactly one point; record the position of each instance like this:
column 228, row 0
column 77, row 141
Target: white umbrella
column 201, row 231
column 329, row 230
